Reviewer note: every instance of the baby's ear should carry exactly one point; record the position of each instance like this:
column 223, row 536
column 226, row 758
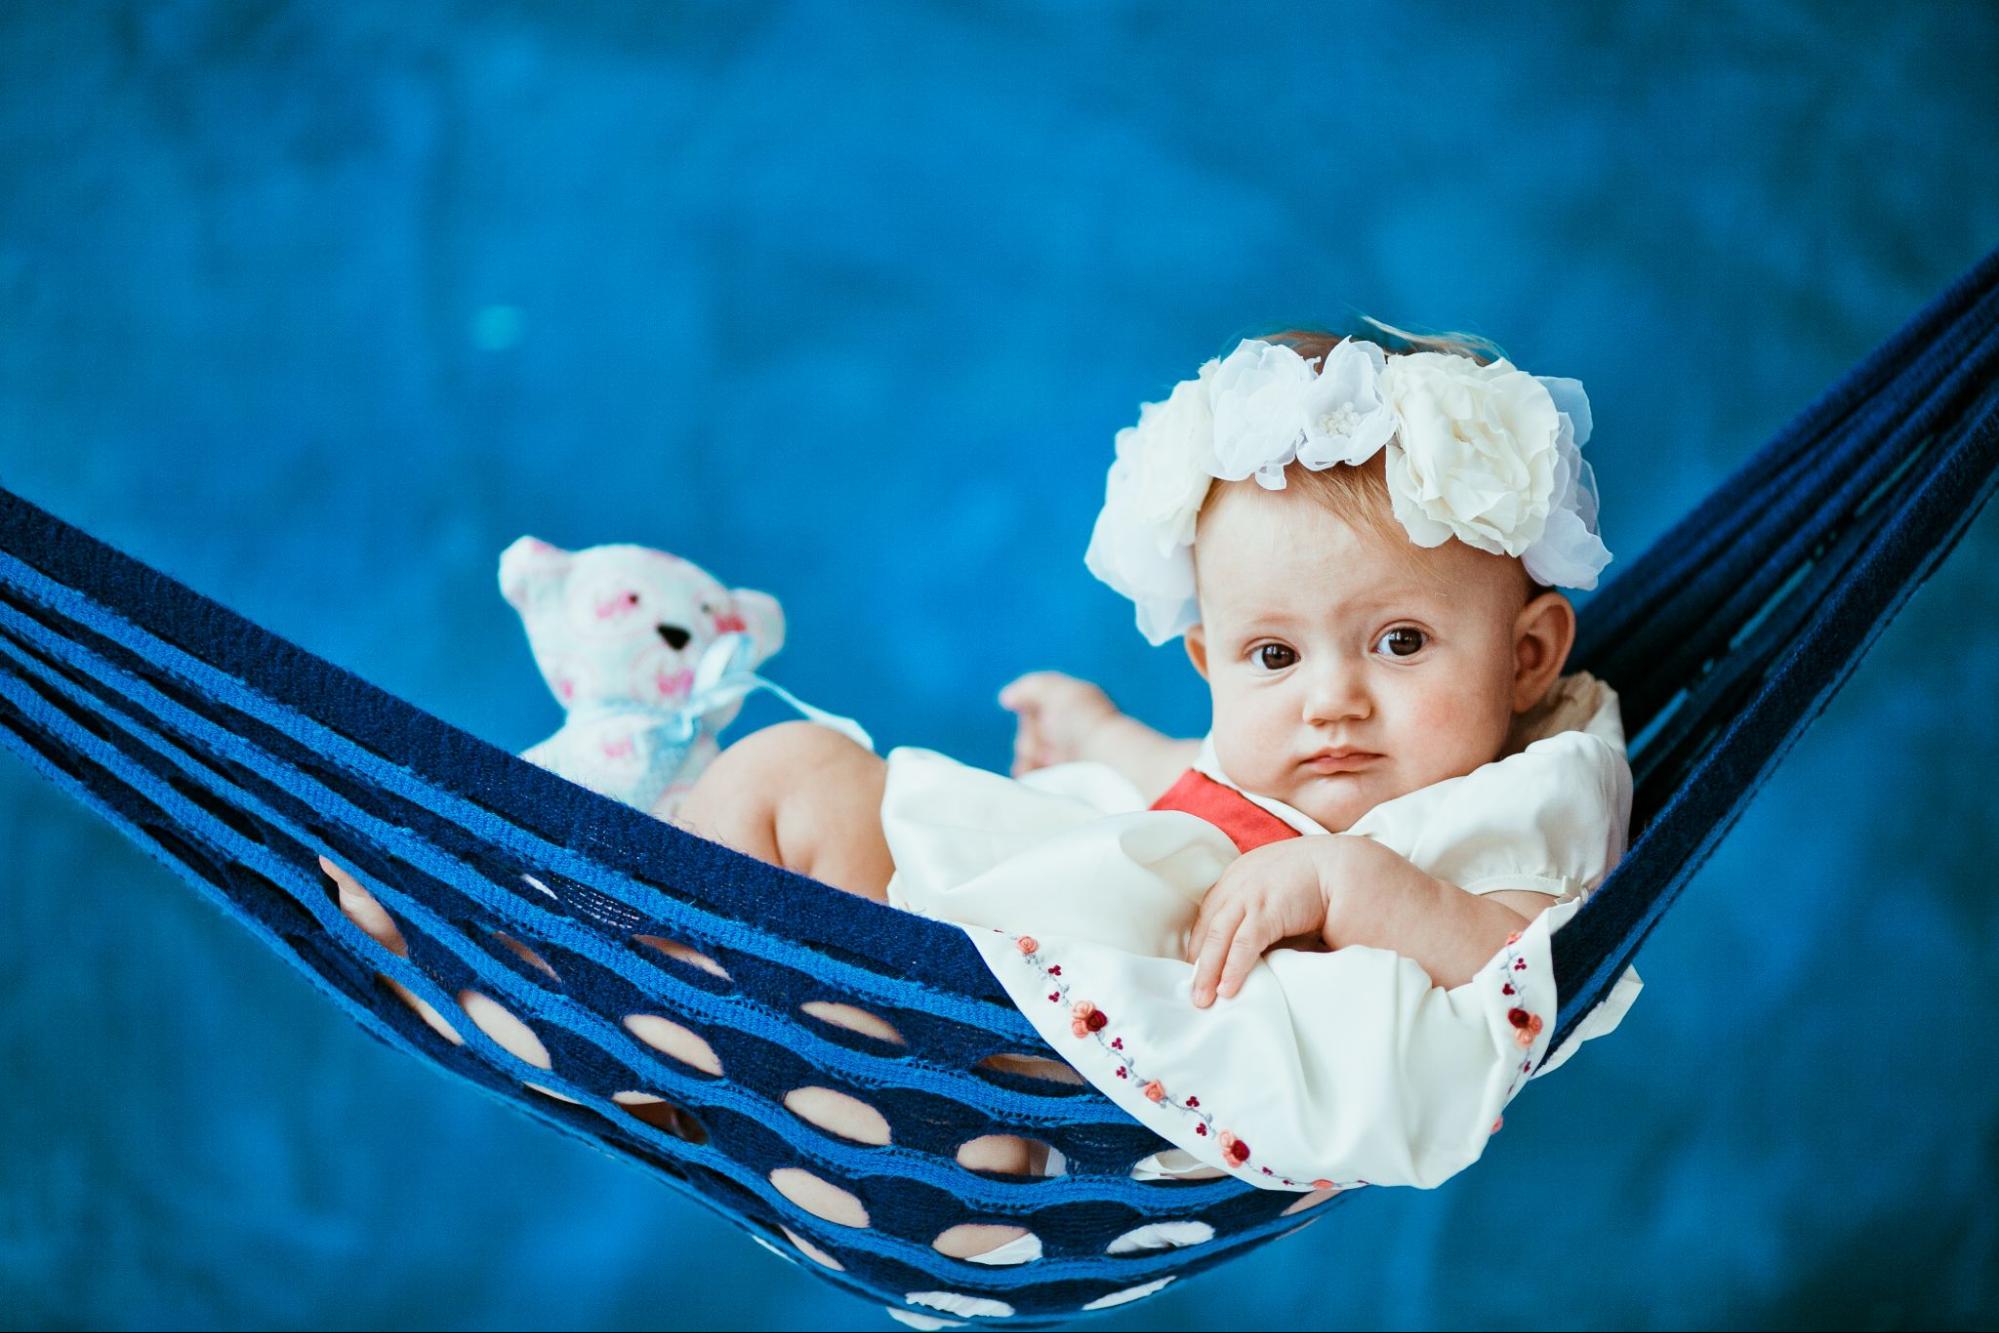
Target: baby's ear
column 763, row 619
column 527, row 568
column 1197, row 649
column 1544, row 632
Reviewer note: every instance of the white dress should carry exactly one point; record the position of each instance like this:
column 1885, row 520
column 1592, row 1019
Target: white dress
column 1326, row 1069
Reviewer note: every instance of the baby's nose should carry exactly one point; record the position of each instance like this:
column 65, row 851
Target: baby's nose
column 1334, row 693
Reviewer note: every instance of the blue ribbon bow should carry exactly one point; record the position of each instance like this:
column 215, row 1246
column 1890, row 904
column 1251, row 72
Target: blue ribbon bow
column 722, row 676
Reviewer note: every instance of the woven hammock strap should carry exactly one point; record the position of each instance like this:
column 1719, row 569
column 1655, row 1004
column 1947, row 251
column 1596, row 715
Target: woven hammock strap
column 1731, row 635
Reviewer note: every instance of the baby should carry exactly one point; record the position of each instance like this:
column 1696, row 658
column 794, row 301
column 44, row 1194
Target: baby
column 1347, row 663
column 1359, row 552
column 1346, row 667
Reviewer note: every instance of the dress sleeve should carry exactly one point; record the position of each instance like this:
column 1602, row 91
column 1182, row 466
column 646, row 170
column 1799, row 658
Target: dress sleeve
column 1553, row 818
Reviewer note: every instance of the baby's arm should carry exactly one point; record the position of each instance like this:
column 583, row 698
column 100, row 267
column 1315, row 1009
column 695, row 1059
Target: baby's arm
column 1064, row 719
column 1347, row 890
column 1376, row 896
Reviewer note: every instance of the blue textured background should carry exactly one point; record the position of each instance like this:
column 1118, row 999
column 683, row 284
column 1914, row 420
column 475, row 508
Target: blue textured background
column 318, row 308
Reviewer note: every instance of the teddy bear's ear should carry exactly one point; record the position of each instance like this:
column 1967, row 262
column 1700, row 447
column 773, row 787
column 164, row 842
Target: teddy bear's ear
column 528, row 565
column 762, row 617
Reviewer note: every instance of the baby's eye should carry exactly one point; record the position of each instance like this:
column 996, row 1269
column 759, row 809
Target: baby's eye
column 1285, row 656
column 1409, row 636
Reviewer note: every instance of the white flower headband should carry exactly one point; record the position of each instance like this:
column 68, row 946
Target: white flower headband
column 1487, row 454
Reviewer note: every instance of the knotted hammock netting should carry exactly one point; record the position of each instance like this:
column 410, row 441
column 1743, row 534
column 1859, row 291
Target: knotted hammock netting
column 694, row 1010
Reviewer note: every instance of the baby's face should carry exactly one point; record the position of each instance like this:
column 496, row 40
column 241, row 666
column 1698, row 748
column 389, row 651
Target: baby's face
column 1318, row 635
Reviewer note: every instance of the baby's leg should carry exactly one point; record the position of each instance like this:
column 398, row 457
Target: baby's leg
column 801, row 796
column 805, row 797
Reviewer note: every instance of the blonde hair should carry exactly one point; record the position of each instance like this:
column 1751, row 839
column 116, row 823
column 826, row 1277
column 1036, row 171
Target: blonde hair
column 1358, row 496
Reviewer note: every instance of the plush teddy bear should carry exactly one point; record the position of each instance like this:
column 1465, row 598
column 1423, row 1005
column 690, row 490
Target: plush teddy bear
column 618, row 632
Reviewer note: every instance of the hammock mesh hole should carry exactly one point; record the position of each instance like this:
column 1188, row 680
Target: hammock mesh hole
column 1011, row 1065
column 839, row 1113
column 525, row 954
column 820, row 1197
column 362, row 908
column 812, row 1252
column 1157, row 1236
column 951, row 1302
column 1129, row 1294
column 663, row 1115
column 852, row 1018
column 1011, row 1155
column 1174, row 1166
column 432, row 1019
column 680, row 953
column 504, row 1027
column 977, row 1241
column 670, row 1038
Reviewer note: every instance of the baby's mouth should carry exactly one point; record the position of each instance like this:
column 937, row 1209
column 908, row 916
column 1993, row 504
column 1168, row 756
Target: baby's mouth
column 1340, row 763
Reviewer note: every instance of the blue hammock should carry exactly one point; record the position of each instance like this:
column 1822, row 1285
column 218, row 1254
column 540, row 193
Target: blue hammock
column 237, row 759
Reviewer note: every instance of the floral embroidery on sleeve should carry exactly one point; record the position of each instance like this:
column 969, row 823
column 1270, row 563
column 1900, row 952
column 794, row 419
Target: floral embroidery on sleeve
column 1087, row 1021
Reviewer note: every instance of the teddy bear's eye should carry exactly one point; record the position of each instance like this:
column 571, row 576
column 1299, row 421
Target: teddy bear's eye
column 676, row 637
column 632, row 598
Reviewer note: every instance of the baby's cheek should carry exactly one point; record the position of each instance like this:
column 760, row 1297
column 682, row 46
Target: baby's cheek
column 1252, row 757
column 1448, row 737
column 1225, row 747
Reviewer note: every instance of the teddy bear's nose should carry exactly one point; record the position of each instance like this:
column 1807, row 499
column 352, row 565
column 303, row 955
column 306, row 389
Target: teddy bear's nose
column 676, row 637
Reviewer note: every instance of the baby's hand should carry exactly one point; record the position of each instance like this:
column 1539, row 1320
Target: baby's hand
column 1057, row 714
column 1267, row 894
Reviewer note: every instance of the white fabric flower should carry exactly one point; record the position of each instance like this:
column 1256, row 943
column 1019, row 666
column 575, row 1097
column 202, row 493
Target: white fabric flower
column 1259, row 403
column 1125, row 555
column 1570, row 554
column 1477, row 451
column 1143, row 539
column 1487, row 454
column 1177, row 439
column 1346, row 420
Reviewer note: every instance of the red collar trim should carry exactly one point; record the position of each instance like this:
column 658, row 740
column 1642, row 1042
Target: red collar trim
column 1248, row 824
